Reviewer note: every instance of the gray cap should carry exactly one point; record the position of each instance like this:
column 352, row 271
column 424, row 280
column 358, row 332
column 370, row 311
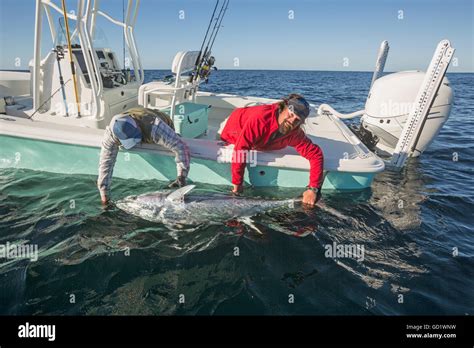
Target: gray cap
column 299, row 106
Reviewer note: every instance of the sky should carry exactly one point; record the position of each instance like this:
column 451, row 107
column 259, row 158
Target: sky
column 272, row 34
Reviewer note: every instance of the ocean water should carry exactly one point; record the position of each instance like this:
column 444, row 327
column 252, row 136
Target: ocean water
column 416, row 228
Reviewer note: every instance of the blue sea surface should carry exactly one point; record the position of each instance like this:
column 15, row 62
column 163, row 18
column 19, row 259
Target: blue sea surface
column 415, row 227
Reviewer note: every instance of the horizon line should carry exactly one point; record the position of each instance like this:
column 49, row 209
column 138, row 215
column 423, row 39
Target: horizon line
column 364, row 71
column 311, row 70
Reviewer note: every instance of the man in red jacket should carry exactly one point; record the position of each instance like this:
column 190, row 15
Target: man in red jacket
column 274, row 127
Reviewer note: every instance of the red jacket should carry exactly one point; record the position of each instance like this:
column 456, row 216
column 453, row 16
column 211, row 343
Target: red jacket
column 250, row 128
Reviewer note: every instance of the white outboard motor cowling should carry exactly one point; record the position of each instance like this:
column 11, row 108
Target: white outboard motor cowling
column 389, row 103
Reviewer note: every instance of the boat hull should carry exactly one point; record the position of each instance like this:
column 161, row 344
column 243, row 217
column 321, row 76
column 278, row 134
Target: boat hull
column 55, row 157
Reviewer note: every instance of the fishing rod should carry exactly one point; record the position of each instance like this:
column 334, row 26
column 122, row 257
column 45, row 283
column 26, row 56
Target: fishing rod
column 59, row 50
column 219, row 26
column 123, row 36
column 205, row 64
column 47, row 100
column 207, row 31
column 198, row 59
column 73, row 70
column 216, row 26
column 60, row 55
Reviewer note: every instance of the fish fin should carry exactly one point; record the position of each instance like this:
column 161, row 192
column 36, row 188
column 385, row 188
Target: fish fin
column 250, row 223
column 178, row 195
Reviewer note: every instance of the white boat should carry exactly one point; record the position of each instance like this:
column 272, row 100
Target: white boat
column 40, row 128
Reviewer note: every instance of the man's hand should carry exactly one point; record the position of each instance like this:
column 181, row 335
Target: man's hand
column 179, row 182
column 237, row 189
column 104, row 198
column 310, row 197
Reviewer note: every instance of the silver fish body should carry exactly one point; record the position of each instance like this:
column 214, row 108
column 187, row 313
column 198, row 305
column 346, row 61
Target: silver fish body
column 179, row 208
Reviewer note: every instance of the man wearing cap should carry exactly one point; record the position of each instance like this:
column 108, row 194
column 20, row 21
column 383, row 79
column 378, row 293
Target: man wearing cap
column 131, row 128
column 274, row 127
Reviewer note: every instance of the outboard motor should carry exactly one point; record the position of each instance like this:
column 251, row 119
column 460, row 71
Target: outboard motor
column 388, row 105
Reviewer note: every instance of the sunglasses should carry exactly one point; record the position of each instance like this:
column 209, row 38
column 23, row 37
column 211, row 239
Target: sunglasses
column 299, row 121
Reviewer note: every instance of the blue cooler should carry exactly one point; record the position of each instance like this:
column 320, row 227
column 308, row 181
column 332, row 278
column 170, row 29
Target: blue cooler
column 190, row 119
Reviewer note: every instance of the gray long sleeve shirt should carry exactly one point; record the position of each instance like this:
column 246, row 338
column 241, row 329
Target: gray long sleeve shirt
column 161, row 134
